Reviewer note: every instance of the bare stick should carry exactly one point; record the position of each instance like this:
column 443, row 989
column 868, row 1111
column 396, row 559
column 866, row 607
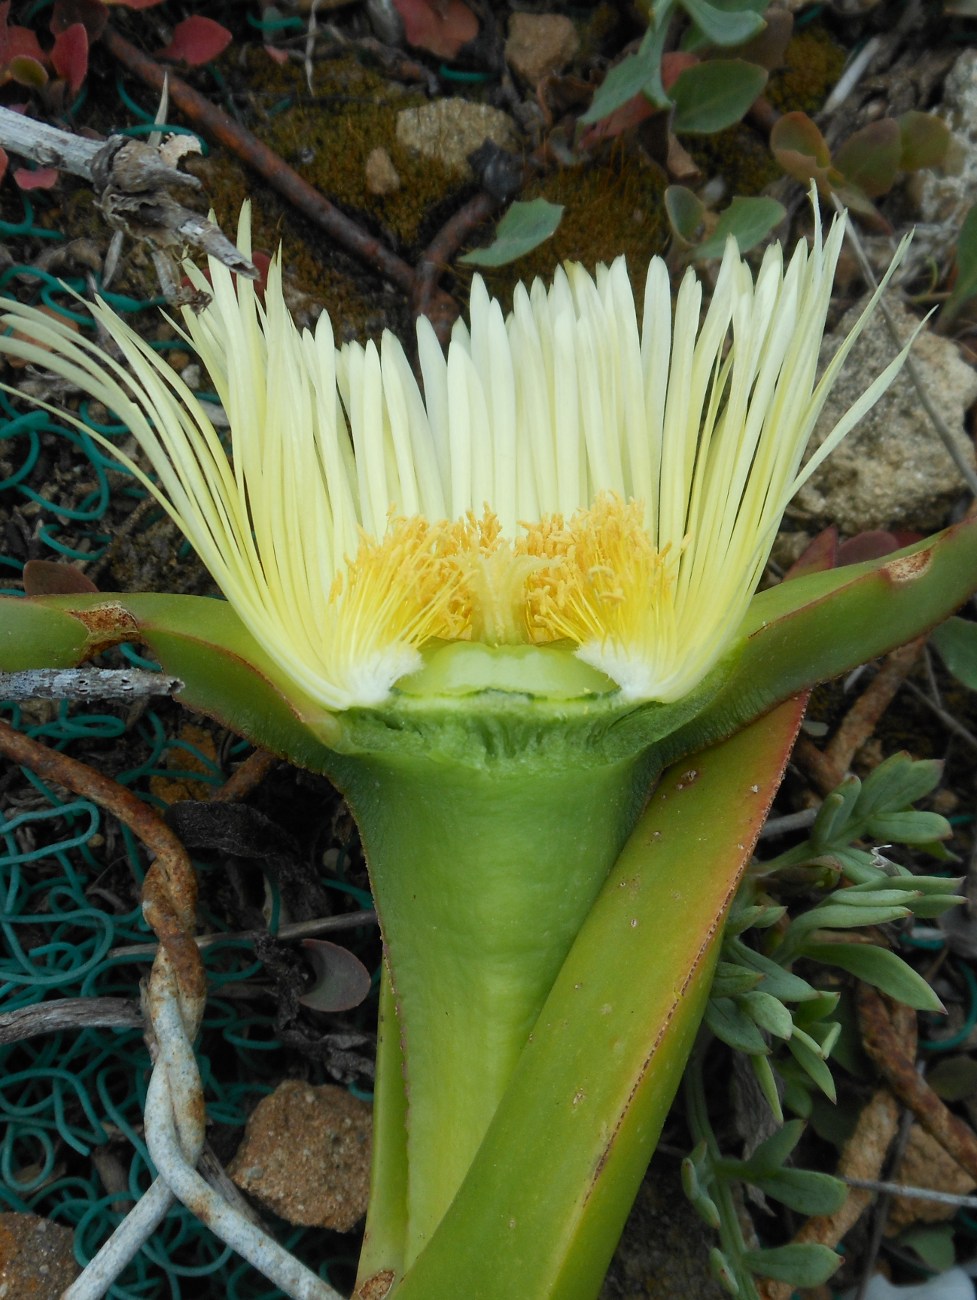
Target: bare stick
column 132, row 181
column 86, row 684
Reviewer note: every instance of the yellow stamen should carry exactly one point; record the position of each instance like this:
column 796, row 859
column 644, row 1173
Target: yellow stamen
column 493, row 578
column 395, row 595
column 603, row 585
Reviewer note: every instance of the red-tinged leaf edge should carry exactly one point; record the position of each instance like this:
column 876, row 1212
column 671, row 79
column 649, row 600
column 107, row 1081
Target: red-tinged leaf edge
column 821, row 625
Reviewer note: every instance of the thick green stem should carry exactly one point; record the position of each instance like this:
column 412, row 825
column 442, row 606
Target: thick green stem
column 483, row 873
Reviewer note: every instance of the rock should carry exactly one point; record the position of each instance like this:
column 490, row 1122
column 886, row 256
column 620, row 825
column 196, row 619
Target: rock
column 892, row 470
column 944, row 195
column 664, row 1249
column 382, row 176
column 539, row 44
column 306, row 1155
column 926, row 1164
column 448, row 130
column 37, row 1261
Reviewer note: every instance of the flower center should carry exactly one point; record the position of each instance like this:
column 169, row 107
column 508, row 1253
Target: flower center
column 595, row 580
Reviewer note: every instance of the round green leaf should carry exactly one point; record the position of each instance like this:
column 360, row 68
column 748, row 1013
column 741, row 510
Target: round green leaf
column 711, row 96
column 748, row 220
column 524, row 227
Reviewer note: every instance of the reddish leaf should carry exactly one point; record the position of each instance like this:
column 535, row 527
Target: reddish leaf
column 69, row 55
column 799, row 147
column 196, row 41
column 820, row 554
column 16, row 42
column 134, row 4
column 440, row 26
column 673, row 65
column 631, row 113
column 278, row 56
column 92, row 15
column 874, row 545
column 54, row 578
column 639, row 107
column 41, row 179
column 4, row 160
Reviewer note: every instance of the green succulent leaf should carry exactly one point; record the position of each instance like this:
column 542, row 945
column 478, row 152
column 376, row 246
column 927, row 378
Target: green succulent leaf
column 37, row 636
column 724, row 24
column 763, row 1071
column 768, row 1012
column 524, row 227
column 711, row 96
column 965, row 285
column 805, row 1190
column 956, row 640
column 800, row 1264
column 732, row 979
column 747, row 220
column 685, row 212
column 879, row 967
column 869, row 159
column 769, row 1156
column 738, row 1030
column 637, row 74
column 696, row 1180
column 847, row 916
column 897, row 783
column 910, row 827
column 813, row 1065
column 779, row 983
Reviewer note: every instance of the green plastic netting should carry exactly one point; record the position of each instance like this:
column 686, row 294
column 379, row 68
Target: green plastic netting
column 71, row 1102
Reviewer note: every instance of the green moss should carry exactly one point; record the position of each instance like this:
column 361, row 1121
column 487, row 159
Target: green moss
column 609, row 207
column 813, row 64
column 328, row 137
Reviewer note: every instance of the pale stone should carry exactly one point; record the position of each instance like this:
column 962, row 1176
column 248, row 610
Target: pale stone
column 540, row 44
column 306, row 1155
column 382, row 176
column 945, row 194
column 37, row 1261
column 892, row 470
column 926, row 1163
column 448, row 130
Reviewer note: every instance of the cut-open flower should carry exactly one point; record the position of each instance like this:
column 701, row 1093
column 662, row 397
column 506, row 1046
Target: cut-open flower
column 568, row 476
